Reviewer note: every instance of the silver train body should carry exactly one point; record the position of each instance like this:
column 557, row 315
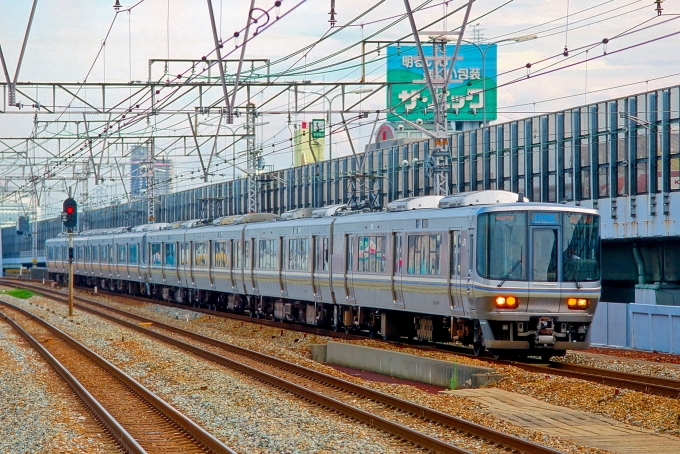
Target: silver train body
column 481, row 268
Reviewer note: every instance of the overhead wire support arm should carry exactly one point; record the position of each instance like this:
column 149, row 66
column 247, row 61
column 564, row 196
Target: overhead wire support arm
column 218, row 46
column 13, row 83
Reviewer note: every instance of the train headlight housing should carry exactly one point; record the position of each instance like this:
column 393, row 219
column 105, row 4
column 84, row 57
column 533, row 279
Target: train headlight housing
column 578, row 303
column 507, row 302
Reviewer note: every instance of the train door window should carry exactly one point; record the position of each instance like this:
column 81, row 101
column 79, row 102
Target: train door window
column 50, row 253
column 398, row 259
column 156, row 254
column 87, row 254
column 81, row 253
column 544, row 253
column 220, row 258
column 170, row 259
column 105, row 253
column 58, row 253
column 184, row 254
column 298, row 254
column 122, row 255
column 455, row 253
column 424, row 252
column 246, row 254
column 132, row 254
column 238, row 258
column 348, row 249
column 325, row 254
column 201, row 254
column 95, row 254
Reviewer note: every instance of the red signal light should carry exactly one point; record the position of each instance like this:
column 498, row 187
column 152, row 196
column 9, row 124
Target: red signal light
column 69, row 209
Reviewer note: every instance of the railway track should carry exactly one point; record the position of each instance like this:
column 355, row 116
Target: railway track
column 400, row 418
column 134, row 417
column 625, row 380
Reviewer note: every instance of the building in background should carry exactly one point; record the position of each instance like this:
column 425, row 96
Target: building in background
column 139, row 165
column 308, row 144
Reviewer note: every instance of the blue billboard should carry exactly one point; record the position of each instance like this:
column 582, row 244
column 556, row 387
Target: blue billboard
column 472, row 91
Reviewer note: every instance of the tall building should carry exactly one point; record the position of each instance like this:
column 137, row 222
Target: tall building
column 139, row 164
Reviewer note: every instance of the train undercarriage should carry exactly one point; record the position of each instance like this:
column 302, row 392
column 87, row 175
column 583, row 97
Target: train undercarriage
column 539, row 336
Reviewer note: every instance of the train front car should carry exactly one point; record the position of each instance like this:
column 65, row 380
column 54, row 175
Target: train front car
column 537, row 278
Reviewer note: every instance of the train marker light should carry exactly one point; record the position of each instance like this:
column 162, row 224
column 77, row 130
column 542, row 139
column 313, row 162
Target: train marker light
column 580, row 303
column 509, row 302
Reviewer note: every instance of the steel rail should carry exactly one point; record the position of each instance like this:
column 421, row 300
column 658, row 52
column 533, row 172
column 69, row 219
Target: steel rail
column 108, row 422
column 169, row 412
column 438, row 417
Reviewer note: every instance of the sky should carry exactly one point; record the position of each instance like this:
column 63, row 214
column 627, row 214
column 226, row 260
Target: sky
column 65, row 45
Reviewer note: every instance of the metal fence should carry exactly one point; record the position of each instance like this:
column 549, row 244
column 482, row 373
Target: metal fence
column 637, row 326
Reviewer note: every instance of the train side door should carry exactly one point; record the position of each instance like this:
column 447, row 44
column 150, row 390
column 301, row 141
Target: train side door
column 397, row 269
column 349, row 266
column 231, row 264
column 191, row 263
column 455, row 274
column 249, row 254
column 211, row 262
column 466, row 263
column 176, row 258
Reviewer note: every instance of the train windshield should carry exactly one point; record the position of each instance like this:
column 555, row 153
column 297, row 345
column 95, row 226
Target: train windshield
column 581, row 247
column 538, row 246
column 502, row 245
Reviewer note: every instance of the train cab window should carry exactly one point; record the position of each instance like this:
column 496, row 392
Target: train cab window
column 156, row 254
column 371, row 257
column 170, row 254
column 580, row 247
column 132, row 254
column 502, row 245
column 122, row 253
column 95, row 253
column 50, row 253
column 220, row 258
column 201, row 254
column 424, row 252
column 298, row 254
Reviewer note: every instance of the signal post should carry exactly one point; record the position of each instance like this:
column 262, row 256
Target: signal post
column 69, row 217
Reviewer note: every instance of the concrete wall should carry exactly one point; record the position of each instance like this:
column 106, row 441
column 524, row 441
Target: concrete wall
column 401, row 365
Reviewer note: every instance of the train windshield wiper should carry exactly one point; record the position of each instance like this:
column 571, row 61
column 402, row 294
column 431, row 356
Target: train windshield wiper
column 510, row 272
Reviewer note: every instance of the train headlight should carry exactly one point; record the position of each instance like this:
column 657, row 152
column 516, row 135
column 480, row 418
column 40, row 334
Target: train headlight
column 506, row 302
column 578, row 303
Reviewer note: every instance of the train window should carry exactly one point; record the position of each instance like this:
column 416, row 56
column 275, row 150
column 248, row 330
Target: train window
column 156, row 254
column 267, row 254
column 95, row 253
column 348, row 248
column 398, row 259
column 220, row 259
column 502, row 245
column 237, row 254
column 58, row 253
column 105, row 253
column 371, row 256
column 201, row 254
column 297, row 254
column 122, row 253
column 170, row 254
column 50, row 253
column 132, row 256
column 544, row 255
column 424, row 252
column 80, row 253
column 87, row 254
column 184, row 249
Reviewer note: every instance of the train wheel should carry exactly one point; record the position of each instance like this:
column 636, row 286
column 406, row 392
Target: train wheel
column 477, row 348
